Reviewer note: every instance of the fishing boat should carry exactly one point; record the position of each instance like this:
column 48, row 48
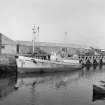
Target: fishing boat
column 55, row 63
column 7, row 84
column 30, row 64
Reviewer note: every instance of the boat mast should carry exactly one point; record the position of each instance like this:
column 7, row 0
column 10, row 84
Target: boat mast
column 35, row 34
column 65, row 37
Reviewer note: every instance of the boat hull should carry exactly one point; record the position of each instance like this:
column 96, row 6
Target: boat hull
column 98, row 90
column 98, row 93
column 48, row 69
column 49, row 66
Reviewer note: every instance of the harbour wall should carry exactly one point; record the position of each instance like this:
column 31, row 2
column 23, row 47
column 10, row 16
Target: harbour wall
column 8, row 64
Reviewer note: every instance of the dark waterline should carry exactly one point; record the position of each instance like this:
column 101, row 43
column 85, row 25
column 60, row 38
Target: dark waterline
column 63, row 88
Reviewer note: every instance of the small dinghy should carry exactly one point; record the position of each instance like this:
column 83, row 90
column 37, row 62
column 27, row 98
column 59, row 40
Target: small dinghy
column 99, row 91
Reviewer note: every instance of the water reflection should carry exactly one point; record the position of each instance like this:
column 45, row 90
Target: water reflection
column 63, row 88
column 58, row 80
column 7, row 83
column 61, row 83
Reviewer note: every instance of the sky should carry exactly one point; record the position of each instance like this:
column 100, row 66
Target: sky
column 61, row 21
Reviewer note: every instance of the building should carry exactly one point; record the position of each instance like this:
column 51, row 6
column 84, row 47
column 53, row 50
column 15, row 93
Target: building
column 70, row 49
column 9, row 46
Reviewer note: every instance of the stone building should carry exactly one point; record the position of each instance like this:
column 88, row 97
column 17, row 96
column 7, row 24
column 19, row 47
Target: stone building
column 7, row 46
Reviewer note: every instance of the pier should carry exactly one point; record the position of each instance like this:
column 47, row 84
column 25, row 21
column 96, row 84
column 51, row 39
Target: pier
column 92, row 60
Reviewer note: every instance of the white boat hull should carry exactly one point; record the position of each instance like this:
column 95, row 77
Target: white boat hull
column 28, row 65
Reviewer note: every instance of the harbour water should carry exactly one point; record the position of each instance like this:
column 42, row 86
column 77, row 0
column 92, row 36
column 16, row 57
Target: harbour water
column 62, row 88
